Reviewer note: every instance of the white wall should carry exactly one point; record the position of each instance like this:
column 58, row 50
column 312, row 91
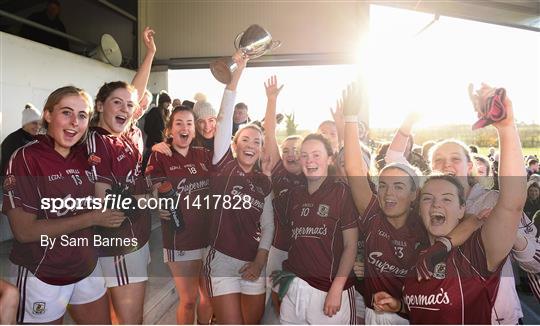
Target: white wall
column 29, row 71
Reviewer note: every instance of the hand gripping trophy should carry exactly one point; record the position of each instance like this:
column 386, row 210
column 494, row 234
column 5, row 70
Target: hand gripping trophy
column 253, row 42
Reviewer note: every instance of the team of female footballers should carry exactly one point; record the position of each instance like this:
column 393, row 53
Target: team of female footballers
column 260, row 219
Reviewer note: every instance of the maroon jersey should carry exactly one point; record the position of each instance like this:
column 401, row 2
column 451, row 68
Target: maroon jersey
column 38, row 172
column 117, row 161
column 136, row 136
column 461, row 291
column 236, row 231
column 389, row 253
column 190, row 176
column 283, row 180
column 317, row 222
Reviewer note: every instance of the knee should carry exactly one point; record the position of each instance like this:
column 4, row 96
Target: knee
column 10, row 296
column 188, row 303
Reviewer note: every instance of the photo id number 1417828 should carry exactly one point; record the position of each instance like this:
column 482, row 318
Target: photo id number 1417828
column 218, row 201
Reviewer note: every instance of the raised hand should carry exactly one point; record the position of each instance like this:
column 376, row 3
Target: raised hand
column 352, row 100
column 499, row 117
column 272, row 89
column 337, row 114
column 148, row 38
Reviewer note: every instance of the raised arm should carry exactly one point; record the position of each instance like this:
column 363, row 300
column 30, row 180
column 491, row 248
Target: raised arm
column 356, row 168
column 339, row 119
column 396, row 151
column 269, row 123
column 499, row 231
column 141, row 77
column 224, row 126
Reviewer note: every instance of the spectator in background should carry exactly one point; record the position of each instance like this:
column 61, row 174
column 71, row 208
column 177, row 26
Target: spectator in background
column 188, row 103
column 154, row 124
column 473, row 149
column 30, row 122
column 176, row 102
column 240, row 116
column 483, row 169
column 533, row 167
column 532, row 205
column 491, row 154
column 205, row 122
column 426, row 146
column 49, row 18
column 329, row 130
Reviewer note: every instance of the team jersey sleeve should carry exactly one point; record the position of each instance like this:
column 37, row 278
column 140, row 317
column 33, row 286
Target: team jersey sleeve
column 281, row 207
column 349, row 214
column 528, row 258
column 101, row 156
column 228, row 157
column 20, row 186
column 372, row 212
column 475, row 253
column 267, row 223
column 155, row 170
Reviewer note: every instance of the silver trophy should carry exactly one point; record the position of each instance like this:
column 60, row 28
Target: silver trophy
column 253, row 42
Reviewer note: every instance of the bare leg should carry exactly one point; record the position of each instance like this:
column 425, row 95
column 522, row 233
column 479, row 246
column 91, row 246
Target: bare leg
column 227, row 309
column 9, row 302
column 204, row 309
column 95, row 312
column 128, row 301
column 186, row 280
column 252, row 308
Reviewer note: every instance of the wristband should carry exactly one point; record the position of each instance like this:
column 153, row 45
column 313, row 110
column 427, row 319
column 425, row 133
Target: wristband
column 446, row 242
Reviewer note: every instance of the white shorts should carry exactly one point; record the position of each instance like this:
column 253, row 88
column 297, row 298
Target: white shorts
column 276, row 257
column 170, row 255
column 223, row 277
column 126, row 269
column 360, row 305
column 384, row 318
column 304, row 304
column 41, row 302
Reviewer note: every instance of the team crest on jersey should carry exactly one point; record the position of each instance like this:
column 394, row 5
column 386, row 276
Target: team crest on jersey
column 9, row 182
column 439, row 271
column 323, row 210
column 203, row 166
column 39, row 308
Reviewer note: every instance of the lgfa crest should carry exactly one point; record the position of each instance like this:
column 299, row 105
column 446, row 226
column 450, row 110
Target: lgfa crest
column 439, row 271
column 38, row 308
column 323, row 210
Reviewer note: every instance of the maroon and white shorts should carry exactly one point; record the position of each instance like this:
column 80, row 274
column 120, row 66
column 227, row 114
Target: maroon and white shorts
column 304, row 304
column 126, row 269
column 41, row 302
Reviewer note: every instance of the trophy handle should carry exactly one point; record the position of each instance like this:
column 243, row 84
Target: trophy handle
column 274, row 45
column 237, row 40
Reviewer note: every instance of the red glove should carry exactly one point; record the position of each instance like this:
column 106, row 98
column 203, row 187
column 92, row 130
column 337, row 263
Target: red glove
column 430, row 257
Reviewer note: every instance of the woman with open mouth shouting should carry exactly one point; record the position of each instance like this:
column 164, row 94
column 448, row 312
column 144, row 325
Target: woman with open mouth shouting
column 116, row 164
column 65, row 271
column 461, row 287
column 188, row 168
column 318, row 288
column 452, row 157
column 387, row 222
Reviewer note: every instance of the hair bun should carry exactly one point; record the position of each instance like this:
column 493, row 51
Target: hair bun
column 200, row 97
